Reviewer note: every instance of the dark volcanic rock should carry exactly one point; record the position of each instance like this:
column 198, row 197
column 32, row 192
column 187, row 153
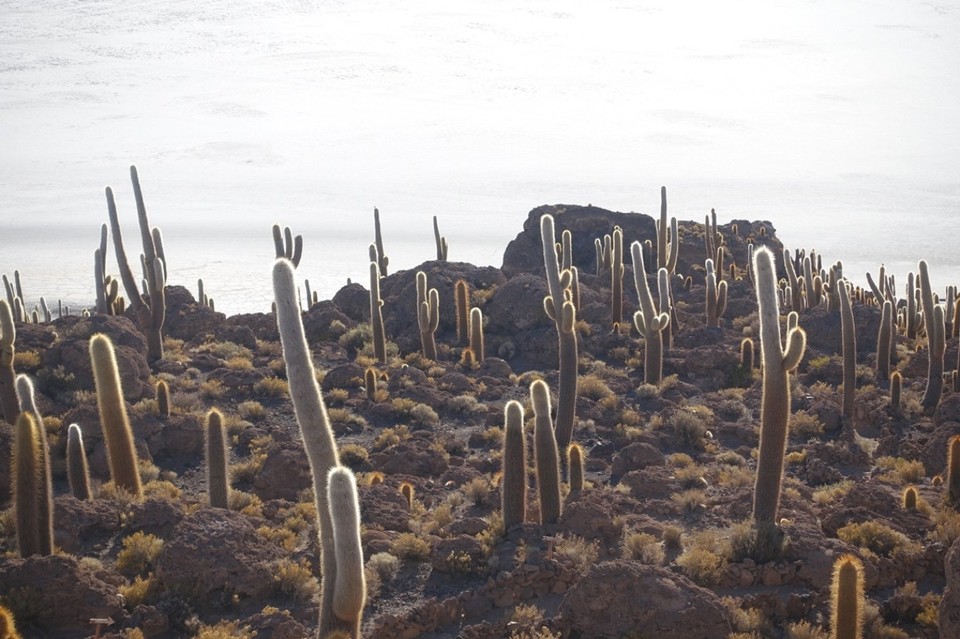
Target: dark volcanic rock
column 615, row 598
column 949, row 622
column 285, row 472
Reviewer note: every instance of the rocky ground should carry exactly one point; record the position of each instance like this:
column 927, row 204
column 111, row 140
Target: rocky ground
column 647, row 549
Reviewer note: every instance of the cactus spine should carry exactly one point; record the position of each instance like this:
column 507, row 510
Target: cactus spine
column 218, row 478
column 113, row 416
column 476, row 334
column 428, row 315
column 885, row 340
column 559, row 307
column 461, row 294
column 28, row 404
column 716, row 297
column 78, row 473
column 933, row 323
column 953, row 470
column 27, row 488
column 376, row 311
column 513, row 491
column 575, row 457
column 846, row 619
column 163, row 399
column 648, row 321
column 848, row 329
column 616, row 277
column 546, row 455
column 151, row 307
column 350, row 588
column 311, row 414
column 8, row 394
column 775, row 402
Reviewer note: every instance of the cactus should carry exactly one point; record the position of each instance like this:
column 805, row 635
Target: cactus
column 28, row 489
column 163, row 399
column 382, row 260
column 849, row 332
column 376, row 311
column 440, row 240
column 775, row 402
column 407, row 490
column 910, row 498
column 350, row 588
column 953, row 471
column 218, row 477
column 315, row 429
column 885, row 340
column 616, row 277
column 78, row 474
column 711, row 237
column 113, row 416
column 8, row 629
column 286, row 245
column 428, row 315
column 546, row 455
column 716, row 297
column 151, row 307
column 846, row 618
column 896, row 384
column 746, row 355
column 461, row 294
column 513, row 491
column 370, row 383
column 28, row 404
column 8, row 392
column 559, row 307
column 665, row 298
column 667, row 250
column 575, row 459
column 648, row 321
column 476, row 334
column 933, row 323
column 604, row 253
column 796, row 293
column 812, row 285
column 913, row 316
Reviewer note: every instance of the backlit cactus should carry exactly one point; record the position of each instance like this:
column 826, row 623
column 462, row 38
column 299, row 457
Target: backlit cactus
column 846, row 618
column 8, row 393
column 849, row 335
column 934, row 325
column 350, row 588
column 546, row 455
column 32, row 538
column 376, row 311
column 716, row 296
column 477, row 349
column 885, row 340
column 428, row 315
column 113, row 416
column 78, row 472
column 513, row 491
column 668, row 247
column 28, row 404
column 649, row 322
column 575, row 459
column 461, row 294
column 218, row 477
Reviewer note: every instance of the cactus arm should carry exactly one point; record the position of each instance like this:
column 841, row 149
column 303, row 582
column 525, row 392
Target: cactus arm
column 350, row 588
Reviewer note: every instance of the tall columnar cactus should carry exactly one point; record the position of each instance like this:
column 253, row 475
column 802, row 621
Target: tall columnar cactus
column 286, row 245
column 370, row 383
column 849, row 331
column 8, row 392
column 746, row 355
column 559, row 307
column 428, row 315
column 476, row 335
column 953, row 470
column 150, row 308
column 885, row 340
column 846, row 610
column 440, row 240
column 896, row 385
column 382, row 260
column 616, row 278
column 28, row 404
column 317, row 434
column 813, row 286
column 575, row 457
column 163, row 399
column 796, row 292
column 775, row 402
column 350, row 588
column 218, row 477
column 78, row 473
column 668, row 249
column 604, row 253
column 461, row 296
column 913, row 315
column 716, row 297
column 32, row 539
column 711, row 237
column 665, row 298
column 113, row 416
column 933, row 324
column 545, row 454
column 648, row 321
column 513, row 491
column 376, row 314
